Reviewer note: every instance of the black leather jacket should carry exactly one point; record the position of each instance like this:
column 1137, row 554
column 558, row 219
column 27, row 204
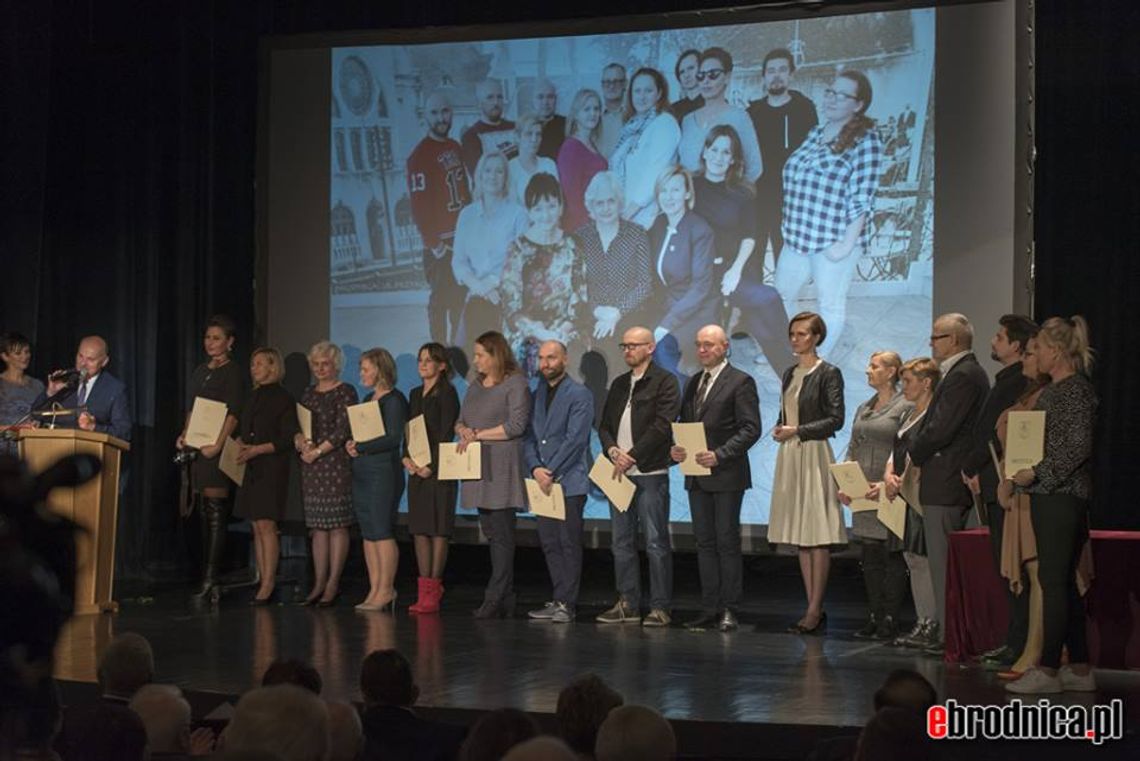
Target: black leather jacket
column 820, row 402
column 655, row 403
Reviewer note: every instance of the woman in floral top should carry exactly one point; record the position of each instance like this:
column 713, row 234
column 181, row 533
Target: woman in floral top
column 544, row 279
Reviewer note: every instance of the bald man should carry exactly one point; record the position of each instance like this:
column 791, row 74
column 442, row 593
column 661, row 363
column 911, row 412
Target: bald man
column 636, row 434
column 492, row 133
column 553, row 124
column 101, row 397
column 437, row 186
column 725, row 401
column 557, row 452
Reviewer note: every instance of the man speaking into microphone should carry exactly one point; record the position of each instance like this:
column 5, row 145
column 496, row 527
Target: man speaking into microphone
column 100, row 397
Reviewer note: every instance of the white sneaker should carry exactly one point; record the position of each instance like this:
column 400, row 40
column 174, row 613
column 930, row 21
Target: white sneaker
column 1035, row 682
column 1071, row 681
column 545, row 613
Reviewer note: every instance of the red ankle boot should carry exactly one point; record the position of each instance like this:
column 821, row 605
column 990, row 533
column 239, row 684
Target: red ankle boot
column 421, row 595
column 434, row 594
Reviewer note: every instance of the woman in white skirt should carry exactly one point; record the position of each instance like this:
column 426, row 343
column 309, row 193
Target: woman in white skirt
column 805, row 506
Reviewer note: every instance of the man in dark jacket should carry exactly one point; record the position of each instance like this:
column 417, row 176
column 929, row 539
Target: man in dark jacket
column 392, row 730
column 636, row 434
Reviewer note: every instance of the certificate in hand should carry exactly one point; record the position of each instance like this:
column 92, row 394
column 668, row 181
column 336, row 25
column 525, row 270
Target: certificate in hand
column 419, row 449
column 892, row 514
column 691, row 436
column 460, row 466
column 851, row 481
column 618, row 490
column 228, row 464
column 305, row 420
column 206, row 420
column 548, row 506
column 365, row 421
column 1024, row 441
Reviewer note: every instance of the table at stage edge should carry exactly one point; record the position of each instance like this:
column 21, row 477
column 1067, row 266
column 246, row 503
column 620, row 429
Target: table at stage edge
column 977, row 611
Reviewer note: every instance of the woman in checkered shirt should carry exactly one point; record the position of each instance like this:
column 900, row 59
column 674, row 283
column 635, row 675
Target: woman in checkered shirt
column 829, row 192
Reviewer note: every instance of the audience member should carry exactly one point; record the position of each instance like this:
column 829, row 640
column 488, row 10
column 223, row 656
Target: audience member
column 582, row 707
column 540, row 749
column 903, row 689
column 894, row 733
column 635, row 732
column 125, row 666
column 166, row 716
column 286, row 720
column 293, row 671
column 103, row 731
column 497, row 732
column 346, row 734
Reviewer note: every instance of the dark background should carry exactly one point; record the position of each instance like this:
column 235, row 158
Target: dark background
column 129, row 153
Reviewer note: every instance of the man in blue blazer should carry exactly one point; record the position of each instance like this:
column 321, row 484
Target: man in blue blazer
column 102, row 396
column 557, row 450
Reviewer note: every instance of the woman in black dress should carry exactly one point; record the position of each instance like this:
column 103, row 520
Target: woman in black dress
column 267, row 426
column 431, row 502
column 218, row 379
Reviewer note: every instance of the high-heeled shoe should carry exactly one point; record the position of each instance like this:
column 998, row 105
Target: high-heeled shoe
column 258, row 602
column 384, row 607
column 819, row 628
column 310, row 601
column 323, row 603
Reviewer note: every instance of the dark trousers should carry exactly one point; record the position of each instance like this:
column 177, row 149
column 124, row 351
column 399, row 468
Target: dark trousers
column 884, row 575
column 1059, row 523
column 479, row 316
column 764, row 317
column 716, row 526
column 446, row 299
column 499, row 527
column 769, row 226
column 562, row 545
column 1018, row 604
column 650, row 509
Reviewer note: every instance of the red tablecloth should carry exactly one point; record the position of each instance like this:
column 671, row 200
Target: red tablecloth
column 977, row 613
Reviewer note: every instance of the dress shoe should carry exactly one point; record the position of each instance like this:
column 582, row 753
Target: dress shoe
column 323, row 603
column 727, row 622
column 703, row 621
column 379, row 607
column 819, row 628
column 869, row 628
column 491, row 609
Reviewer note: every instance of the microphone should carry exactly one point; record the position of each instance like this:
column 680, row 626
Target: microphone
column 67, row 376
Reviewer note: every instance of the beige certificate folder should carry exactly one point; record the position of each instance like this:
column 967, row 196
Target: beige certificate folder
column 228, row 464
column 892, row 514
column 851, row 481
column 365, row 421
column 1024, row 441
column 206, row 420
column 305, row 421
column 551, row 505
column 419, row 448
column 618, row 490
column 691, row 436
column 460, row 466
column 908, row 489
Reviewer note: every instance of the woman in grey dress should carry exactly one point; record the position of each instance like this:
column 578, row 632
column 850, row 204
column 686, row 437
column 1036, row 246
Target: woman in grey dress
column 495, row 412
column 873, row 432
column 17, row 390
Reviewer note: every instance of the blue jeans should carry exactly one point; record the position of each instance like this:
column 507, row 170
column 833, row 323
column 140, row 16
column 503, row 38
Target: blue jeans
column 650, row 507
column 562, row 546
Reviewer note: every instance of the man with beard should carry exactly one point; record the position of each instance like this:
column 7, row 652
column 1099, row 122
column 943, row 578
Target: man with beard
column 553, row 125
column 686, row 72
column 437, row 184
column 782, row 120
column 492, row 132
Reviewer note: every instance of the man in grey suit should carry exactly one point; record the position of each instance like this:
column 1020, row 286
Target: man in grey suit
column 725, row 401
column 942, row 446
column 557, row 450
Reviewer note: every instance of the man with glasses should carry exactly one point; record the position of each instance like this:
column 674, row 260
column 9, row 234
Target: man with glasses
column 613, row 108
column 782, row 119
column 941, row 447
column 724, row 400
column 686, row 72
column 636, row 434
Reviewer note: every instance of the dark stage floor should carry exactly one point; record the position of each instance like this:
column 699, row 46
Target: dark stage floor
column 758, row 677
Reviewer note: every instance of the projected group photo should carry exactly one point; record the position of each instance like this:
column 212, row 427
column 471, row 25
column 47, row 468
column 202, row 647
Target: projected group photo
column 571, row 188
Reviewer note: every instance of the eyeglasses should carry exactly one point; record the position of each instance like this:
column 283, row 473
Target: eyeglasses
column 939, row 337
column 631, row 347
column 712, row 75
column 830, row 93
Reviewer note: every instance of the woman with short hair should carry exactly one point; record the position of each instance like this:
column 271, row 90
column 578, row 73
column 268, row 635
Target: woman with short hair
column 715, row 75
column 528, row 163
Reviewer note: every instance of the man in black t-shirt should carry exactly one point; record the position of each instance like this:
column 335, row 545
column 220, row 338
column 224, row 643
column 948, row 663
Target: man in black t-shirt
column 783, row 118
column 686, row 72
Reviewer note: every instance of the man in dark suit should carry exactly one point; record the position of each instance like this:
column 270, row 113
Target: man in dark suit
column 557, row 450
column 392, row 730
column 725, row 400
column 636, row 433
column 941, row 446
column 101, row 396
column 1007, row 347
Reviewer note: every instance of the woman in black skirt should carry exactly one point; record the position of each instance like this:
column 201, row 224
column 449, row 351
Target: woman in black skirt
column 218, row 379
column 267, row 426
column 431, row 502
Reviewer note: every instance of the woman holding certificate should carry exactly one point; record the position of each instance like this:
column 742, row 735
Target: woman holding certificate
column 1059, row 487
column 266, row 428
column 805, row 512
column 378, row 480
column 326, row 470
column 873, row 432
column 495, row 413
column 431, row 502
column 221, row 380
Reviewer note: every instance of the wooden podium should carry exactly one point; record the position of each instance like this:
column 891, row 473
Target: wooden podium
column 94, row 505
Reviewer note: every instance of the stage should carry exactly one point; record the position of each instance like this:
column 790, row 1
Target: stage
column 755, row 693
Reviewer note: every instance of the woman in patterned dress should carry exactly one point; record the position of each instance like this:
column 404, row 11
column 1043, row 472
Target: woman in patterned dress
column 326, row 471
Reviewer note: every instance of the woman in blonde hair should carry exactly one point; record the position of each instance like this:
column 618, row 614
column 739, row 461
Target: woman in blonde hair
column 1059, row 487
column 266, row 429
column 578, row 158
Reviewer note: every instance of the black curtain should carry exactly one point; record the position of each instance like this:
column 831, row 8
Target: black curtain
column 129, row 134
